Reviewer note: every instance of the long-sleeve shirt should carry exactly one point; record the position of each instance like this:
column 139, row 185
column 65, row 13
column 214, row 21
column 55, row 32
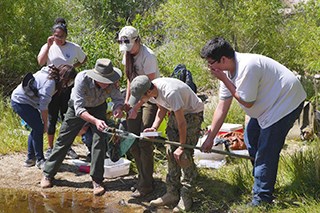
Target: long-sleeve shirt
column 45, row 87
column 86, row 93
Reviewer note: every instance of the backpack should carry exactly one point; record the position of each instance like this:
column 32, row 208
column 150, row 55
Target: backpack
column 28, row 84
column 181, row 72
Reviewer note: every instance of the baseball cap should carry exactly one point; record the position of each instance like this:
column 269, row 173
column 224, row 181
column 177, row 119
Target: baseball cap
column 138, row 87
column 128, row 32
column 126, row 39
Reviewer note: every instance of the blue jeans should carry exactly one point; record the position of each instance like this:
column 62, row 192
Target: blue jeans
column 33, row 118
column 87, row 138
column 264, row 145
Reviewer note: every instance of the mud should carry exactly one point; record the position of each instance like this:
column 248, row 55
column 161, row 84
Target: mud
column 20, row 189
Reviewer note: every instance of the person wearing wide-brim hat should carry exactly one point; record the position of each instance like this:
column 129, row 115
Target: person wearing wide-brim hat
column 87, row 104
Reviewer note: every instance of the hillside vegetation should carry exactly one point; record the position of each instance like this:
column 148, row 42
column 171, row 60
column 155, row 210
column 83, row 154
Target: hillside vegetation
column 176, row 31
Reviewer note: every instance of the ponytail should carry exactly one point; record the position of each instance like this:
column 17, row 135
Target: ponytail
column 62, row 75
column 60, row 23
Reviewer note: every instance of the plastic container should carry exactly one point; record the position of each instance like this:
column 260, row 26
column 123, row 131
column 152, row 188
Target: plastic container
column 85, row 169
column 228, row 127
column 198, row 155
column 78, row 162
column 116, row 169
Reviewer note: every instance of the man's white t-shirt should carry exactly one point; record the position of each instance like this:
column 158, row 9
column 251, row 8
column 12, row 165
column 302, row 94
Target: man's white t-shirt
column 272, row 87
column 173, row 94
column 69, row 53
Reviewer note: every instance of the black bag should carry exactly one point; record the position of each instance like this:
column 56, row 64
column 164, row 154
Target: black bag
column 28, row 85
column 181, row 72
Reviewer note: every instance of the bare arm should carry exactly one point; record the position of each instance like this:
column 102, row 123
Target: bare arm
column 182, row 128
column 44, row 116
column 78, row 63
column 217, row 120
column 151, row 76
column 182, row 125
column 43, row 54
column 231, row 87
column 128, row 92
column 161, row 113
column 100, row 124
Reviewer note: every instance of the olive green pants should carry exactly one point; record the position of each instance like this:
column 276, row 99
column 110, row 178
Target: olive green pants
column 70, row 128
column 142, row 151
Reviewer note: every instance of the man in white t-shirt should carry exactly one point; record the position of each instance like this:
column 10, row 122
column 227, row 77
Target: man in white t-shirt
column 184, row 125
column 269, row 93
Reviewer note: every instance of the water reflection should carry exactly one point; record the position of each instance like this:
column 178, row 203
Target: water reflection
column 12, row 201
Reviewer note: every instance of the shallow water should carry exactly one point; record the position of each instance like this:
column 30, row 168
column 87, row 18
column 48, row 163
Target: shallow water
column 19, row 201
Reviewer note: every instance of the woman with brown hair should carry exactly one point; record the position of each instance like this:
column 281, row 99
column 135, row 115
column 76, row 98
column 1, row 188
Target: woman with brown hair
column 30, row 101
column 139, row 60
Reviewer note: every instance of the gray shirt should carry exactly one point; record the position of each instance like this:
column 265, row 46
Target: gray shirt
column 86, row 93
column 46, row 89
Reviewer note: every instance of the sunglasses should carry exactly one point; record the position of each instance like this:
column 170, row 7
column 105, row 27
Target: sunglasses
column 125, row 41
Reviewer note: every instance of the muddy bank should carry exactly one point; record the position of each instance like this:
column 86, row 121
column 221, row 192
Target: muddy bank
column 72, row 189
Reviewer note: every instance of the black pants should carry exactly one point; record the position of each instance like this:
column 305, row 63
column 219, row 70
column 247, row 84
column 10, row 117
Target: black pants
column 58, row 107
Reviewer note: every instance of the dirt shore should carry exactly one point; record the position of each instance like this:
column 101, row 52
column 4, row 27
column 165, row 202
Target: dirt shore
column 69, row 179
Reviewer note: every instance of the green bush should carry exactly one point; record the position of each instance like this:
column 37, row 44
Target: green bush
column 25, row 26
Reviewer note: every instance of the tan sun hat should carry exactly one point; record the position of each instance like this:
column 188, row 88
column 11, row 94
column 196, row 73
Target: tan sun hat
column 104, row 72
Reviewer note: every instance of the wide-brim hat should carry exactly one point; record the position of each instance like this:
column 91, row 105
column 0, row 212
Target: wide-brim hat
column 104, row 72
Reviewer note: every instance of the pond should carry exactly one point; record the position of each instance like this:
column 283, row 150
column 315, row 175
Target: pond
column 12, row 201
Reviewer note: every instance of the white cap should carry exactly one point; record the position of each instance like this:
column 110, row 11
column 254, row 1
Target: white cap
column 128, row 32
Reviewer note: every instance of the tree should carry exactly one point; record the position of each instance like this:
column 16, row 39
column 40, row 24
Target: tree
column 24, row 28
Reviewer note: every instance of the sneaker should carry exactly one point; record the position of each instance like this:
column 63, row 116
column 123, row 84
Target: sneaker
column 48, row 153
column 40, row 163
column 139, row 193
column 184, row 204
column 166, row 199
column 98, row 189
column 46, row 182
column 72, row 154
column 29, row 163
